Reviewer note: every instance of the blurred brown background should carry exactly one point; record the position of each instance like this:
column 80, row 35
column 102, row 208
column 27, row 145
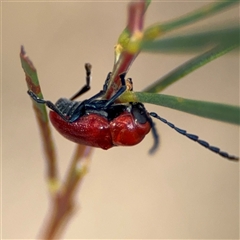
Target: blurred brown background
column 183, row 191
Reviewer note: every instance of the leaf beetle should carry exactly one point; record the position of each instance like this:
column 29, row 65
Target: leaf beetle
column 105, row 123
column 100, row 123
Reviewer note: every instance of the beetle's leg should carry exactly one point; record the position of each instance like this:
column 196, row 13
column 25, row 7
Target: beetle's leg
column 155, row 138
column 120, row 91
column 196, row 138
column 102, row 92
column 48, row 103
column 87, row 86
column 105, row 85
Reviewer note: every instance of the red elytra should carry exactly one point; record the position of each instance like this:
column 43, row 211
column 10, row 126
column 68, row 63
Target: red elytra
column 97, row 131
column 127, row 131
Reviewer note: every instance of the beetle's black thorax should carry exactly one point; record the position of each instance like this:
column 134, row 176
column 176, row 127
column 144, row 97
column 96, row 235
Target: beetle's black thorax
column 73, row 110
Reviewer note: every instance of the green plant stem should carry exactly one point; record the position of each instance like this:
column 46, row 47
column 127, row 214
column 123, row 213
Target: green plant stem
column 190, row 18
column 216, row 111
column 187, row 68
column 43, row 123
column 194, row 41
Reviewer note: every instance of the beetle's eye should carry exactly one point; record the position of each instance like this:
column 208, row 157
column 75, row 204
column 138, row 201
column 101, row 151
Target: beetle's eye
column 139, row 113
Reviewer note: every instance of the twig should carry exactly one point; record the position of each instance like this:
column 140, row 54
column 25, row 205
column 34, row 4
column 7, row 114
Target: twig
column 63, row 205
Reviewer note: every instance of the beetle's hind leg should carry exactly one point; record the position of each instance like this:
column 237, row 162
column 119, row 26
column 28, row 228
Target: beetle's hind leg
column 48, row 103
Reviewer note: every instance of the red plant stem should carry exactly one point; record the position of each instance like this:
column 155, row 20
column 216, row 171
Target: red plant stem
column 135, row 25
column 62, row 206
column 122, row 66
column 61, row 209
column 63, row 203
column 135, row 16
column 80, row 151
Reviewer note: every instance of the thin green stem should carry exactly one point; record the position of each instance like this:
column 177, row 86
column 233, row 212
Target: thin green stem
column 187, row 68
column 159, row 29
column 194, row 41
column 43, row 123
column 216, row 111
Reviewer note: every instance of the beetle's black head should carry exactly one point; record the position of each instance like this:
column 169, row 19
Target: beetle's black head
column 140, row 113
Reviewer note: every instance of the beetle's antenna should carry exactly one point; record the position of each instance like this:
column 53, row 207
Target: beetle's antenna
column 86, row 87
column 196, row 138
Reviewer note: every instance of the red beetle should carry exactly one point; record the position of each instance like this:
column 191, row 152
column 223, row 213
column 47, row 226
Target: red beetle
column 100, row 123
column 104, row 123
column 104, row 128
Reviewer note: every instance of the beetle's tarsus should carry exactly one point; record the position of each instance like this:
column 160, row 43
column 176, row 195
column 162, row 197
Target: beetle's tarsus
column 87, row 86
